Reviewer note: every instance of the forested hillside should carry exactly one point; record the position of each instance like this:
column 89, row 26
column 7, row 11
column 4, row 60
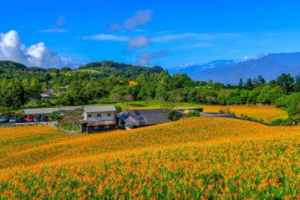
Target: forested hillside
column 107, row 68
column 21, row 87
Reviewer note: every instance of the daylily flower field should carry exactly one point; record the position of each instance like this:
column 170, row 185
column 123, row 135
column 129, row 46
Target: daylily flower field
column 195, row 158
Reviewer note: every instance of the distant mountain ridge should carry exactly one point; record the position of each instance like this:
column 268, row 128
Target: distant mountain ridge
column 120, row 69
column 102, row 69
column 228, row 71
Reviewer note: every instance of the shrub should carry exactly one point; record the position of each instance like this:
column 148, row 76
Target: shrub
column 246, row 117
column 194, row 114
column 226, row 111
column 55, row 115
column 281, row 122
column 119, row 109
column 174, row 115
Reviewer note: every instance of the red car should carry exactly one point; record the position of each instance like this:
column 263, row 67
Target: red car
column 30, row 118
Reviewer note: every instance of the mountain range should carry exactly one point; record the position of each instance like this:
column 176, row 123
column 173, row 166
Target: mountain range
column 224, row 71
column 230, row 71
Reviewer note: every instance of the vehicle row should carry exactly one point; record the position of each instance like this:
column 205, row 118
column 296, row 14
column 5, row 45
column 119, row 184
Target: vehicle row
column 23, row 119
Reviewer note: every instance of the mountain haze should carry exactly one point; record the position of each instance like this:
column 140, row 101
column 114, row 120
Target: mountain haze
column 228, row 71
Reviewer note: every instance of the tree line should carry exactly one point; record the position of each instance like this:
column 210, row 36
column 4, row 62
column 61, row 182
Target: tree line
column 79, row 88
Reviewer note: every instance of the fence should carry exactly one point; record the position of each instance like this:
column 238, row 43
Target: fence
column 27, row 124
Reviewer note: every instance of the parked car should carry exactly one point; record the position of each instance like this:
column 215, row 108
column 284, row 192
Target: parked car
column 30, row 118
column 37, row 118
column 4, row 119
column 13, row 120
column 21, row 119
column 44, row 118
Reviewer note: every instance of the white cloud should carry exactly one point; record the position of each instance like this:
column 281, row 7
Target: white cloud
column 253, row 57
column 199, row 36
column 53, row 31
column 141, row 17
column 146, row 57
column 61, row 20
column 186, row 65
column 138, row 42
column 37, row 55
column 106, row 37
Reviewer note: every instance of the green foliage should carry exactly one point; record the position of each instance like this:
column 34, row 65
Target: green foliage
column 174, row 115
column 119, row 109
column 281, row 122
column 194, row 113
column 55, row 115
column 246, row 117
column 21, row 87
column 286, row 82
column 226, row 111
column 109, row 68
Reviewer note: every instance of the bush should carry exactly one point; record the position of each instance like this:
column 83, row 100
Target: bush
column 55, row 115
column 253, row 119
column 194, row 114
column 174, row 115
column 226, row 111
column 119, row 109
column 281, row 122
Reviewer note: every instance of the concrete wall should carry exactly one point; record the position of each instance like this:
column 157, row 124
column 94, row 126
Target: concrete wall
column 104, row 117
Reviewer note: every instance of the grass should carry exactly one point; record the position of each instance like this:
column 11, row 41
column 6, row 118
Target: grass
column 194, row 158
column 89, row 71
column 70, row 127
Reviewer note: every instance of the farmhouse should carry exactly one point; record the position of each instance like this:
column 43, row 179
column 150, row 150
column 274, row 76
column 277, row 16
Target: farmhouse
column 137, row 118
column 95, row 118
column 99, row 118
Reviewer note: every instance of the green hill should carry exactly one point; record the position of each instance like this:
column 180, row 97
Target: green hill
column 107, row 68
column 99, row 69
column 9, row 66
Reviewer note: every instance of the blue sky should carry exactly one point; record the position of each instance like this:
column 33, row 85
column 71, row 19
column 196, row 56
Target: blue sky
column 153, row 32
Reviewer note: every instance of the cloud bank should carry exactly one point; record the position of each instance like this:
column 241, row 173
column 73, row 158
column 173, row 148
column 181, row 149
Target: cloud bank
column 141, row 17
column 146, row 57
column 37, row 55
column 138, row 42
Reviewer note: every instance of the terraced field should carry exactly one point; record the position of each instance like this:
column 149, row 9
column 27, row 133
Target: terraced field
column 195, row 158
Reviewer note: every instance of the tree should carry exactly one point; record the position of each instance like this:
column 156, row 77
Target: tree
column 261, row 80
column 241, row 83
column 55, row 115
column 12, row 94
column 71, row 118
column 286, row 82
column 297, row 84
column 174, row 115
column 249, row 84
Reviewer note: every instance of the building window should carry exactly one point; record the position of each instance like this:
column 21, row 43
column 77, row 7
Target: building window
column 89, row 116
column 108, row 115
column 98, row 115
column 106, row 126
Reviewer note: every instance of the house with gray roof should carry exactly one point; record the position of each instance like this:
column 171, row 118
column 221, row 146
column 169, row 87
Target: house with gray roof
column 95, row 118
column 137, row 118
column 99, row 118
